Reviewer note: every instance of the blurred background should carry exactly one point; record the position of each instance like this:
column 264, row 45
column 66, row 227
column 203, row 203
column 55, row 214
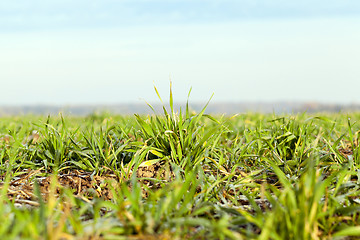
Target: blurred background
column 263, row 55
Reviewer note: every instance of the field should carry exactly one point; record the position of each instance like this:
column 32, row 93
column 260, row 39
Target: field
column 180, row 175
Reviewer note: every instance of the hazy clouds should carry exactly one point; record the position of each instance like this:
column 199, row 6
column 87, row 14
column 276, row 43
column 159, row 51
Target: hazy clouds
column 64, row 52
column 41, row 14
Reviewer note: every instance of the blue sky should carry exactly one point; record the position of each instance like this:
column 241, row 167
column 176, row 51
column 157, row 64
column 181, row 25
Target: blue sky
column 41, row 14
column 78, row 52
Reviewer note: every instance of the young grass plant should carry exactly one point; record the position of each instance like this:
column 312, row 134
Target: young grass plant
column 177, row 137
column 176, row 210
column 307, row 209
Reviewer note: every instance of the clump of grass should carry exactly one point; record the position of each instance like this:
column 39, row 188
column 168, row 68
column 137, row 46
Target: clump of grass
column 176, row 136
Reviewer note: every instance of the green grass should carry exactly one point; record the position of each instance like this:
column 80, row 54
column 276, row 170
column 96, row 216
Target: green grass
column 250, row 176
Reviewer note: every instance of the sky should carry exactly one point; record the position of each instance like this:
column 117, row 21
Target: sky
column 114, row 51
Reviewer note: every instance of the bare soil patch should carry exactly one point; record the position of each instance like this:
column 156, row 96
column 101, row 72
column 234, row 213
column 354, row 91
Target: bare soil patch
column 21, row 189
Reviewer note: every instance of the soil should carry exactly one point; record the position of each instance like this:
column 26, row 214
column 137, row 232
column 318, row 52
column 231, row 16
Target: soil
column 83, row 184
column 346, row 152
column 21, row 188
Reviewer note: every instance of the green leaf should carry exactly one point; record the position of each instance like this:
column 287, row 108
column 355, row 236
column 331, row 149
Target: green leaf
column 349, row 231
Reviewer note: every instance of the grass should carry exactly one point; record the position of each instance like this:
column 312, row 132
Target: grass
column 251, row 176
